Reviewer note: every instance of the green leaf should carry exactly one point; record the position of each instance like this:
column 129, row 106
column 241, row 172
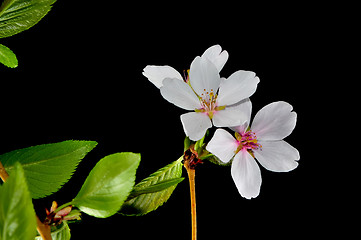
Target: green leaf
column 187, row 143
column 160, row 186
column 7, row 57
column 47, row 167
column 19, row 15
column 108, row 185
column 61, row 232
column 17, row 215
column 148, row 202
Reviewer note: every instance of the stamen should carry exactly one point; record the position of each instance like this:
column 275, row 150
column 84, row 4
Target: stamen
column 208, row 101
column 247, row 141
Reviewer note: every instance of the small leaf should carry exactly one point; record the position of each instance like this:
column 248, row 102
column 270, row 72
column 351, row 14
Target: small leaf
column 108, row 185
column 47, row 167
column 17, row 215
column 61, row 232
column 160, row 186
column 7, row 57
column 19, row 15
column 187, row 143
column 148, row 202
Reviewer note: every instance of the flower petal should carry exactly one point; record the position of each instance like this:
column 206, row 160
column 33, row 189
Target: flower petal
column 204, row 76
column 240, row 85
column 230, row 116
column 275, row 121
column 216, row 56
column 246, row 175
column 277, row 156
column 180, row 94
column 195, row 125
column 156, row 74
column 223, row 145
column 244, row 106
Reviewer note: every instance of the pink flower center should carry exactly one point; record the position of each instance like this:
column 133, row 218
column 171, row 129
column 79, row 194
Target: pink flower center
column 247, row 141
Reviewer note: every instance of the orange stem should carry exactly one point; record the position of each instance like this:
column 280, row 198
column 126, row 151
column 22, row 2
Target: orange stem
column 43, row 230
column 192, row 187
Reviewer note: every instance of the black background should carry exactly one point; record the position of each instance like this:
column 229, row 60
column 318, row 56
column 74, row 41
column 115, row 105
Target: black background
column 80, row 77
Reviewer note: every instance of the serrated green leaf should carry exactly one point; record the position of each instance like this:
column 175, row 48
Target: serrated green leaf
column 146, row 203
column 108, row 185
column 7, row 57
column 61, row 232
column 17, row 215
column 47, row 167
column 160, row 186
column 19, row 15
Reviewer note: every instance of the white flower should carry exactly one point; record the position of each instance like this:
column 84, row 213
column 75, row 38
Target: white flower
column 156, row 74
column 211, row 98
column 263, row 141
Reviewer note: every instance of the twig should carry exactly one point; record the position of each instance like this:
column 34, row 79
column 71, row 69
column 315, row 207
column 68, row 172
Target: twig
column 43, row 230
column 191, row 176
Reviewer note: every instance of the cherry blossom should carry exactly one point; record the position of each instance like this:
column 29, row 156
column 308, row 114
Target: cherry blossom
column 212, row 99
column 263, row 140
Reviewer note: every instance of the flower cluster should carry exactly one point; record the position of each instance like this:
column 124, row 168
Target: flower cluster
column 224, row 103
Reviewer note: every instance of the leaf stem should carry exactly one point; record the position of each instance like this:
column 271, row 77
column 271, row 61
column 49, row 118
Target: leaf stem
column 44, row 230
column 191, row 177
